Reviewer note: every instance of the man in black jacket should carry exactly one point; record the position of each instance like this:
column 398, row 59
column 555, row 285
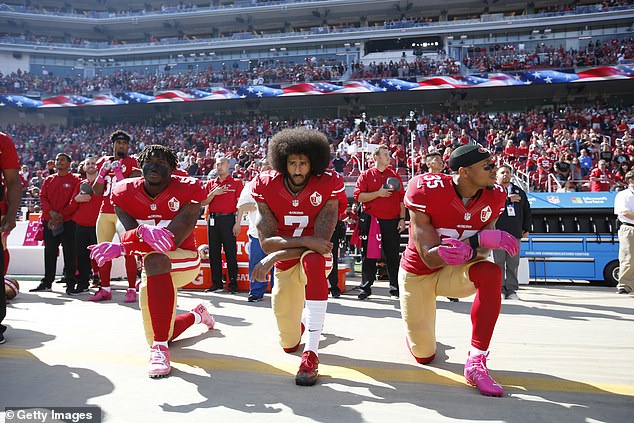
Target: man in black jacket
column 516, row 220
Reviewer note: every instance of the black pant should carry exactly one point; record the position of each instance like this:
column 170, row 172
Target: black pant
column 3, row 294
column 221, row 236
column 391, row 243
column 333, row 277
column 84, row 236
column 51, row 251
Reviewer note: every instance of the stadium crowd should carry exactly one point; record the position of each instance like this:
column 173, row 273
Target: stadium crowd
column 568, row 144
column 511, row 58
column 496, row 58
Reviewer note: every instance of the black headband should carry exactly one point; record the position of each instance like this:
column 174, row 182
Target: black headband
column 466, row 155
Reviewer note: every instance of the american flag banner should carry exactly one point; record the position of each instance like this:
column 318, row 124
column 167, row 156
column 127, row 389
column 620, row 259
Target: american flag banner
column 499, row 79
column 174, row 95
column 19, row 101
column 214, row 94
column 137, row 98
column 258, row 91
column 312, row 89
column 65, row 101
column 105, row 100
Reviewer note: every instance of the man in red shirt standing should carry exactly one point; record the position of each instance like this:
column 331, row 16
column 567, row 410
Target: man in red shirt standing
column 85, row 218
column 601, row 179
column 222, row 228
column 113, row 169
column 59, row 228
column 385, row 206
column 9, row 167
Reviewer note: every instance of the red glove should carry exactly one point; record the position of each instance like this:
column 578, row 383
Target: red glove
column 159, row 238
column 456, row 253
column 496, row 239
column 105, row 251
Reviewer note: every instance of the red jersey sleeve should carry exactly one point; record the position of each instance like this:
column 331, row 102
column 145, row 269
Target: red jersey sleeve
column 8, row 153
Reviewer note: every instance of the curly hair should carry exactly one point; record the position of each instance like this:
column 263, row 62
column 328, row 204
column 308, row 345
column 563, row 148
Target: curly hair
column 120, row 135
column 308, row 142
column 160, row 151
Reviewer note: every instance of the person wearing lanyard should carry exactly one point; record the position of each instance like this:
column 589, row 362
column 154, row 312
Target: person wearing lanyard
column 624, row 209
column 222, row 228
column 516, row 220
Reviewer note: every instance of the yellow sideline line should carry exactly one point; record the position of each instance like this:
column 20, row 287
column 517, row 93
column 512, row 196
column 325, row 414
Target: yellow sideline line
column 355, row 373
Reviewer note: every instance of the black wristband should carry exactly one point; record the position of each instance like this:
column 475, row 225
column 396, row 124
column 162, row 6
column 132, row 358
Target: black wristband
column 474, row 241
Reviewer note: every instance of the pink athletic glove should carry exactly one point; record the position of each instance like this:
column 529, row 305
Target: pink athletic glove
column 160, row 239
column 105, row 168
column 456, row 253
column 496, row 239
column 116, row 168
column 105, row 251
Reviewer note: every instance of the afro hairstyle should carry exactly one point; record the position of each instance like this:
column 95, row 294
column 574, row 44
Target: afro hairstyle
column 302, row 140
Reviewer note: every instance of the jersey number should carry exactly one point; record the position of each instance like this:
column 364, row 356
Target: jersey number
column 300, row 221
column 432, row 181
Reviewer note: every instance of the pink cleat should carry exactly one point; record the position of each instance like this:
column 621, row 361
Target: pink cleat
column 159, row 362
column 205, row 317
column 130, row 296
column 477, row 374
column 101, row 295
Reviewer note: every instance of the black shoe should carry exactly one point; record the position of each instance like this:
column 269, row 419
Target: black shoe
column 335, row 293
column 42, row 287
column 453, row 300
column 62, row 280
column 78, row 290
column 622, row 291
column 213, row 288
column 254, row 299
column 2, row 340
column 363, row 295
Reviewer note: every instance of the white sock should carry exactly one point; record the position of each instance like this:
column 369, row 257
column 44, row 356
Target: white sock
column 474, row 351
column 162, row 344
column 197, row 317
column 106, row 288
column 315, row 313
column 131, row 289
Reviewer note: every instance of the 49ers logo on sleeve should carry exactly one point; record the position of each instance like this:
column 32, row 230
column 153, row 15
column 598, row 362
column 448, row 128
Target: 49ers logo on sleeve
column 315, row 199
column 485, row 214
column 173, row 204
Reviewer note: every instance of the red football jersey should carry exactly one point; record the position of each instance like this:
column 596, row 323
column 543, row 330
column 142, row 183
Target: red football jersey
column 296, row 215
column 129, row 165
column 435, row 195
column 131, row 197
column 545, row 164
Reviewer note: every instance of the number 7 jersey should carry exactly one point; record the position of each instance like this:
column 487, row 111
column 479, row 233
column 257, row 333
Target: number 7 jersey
column 296, row 215
column 434, row 194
